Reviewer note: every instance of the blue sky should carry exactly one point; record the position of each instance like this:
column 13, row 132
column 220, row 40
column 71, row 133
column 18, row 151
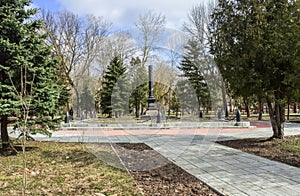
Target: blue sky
column 51, row 5
column 124, row 12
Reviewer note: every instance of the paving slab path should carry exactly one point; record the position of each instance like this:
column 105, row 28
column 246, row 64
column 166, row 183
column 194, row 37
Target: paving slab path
column 233, row 172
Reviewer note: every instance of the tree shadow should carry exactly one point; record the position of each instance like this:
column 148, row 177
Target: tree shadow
column 14, row 150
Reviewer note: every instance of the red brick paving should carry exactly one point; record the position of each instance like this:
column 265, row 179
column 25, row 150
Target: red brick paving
column 202, row 131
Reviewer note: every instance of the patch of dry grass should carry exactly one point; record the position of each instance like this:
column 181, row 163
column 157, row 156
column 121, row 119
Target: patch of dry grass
column 62, row 169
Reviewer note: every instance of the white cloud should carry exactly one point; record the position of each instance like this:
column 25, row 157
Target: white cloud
column 125, row 13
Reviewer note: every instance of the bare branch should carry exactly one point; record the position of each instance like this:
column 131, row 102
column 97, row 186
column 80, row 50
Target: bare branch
column 150, row 26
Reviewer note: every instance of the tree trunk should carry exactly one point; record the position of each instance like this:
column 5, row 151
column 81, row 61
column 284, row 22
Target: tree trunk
column 78, row 109
column 282, row 120
column 277, row 118
column 288, row 114
column 260, row 109
column 4, row 132
column 169, row 101
column 247, row 107
column 224, row 100
column 137, row 107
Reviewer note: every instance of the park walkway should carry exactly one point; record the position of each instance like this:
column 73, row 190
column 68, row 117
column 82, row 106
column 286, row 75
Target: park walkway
column 227, row 170
column 232, row 172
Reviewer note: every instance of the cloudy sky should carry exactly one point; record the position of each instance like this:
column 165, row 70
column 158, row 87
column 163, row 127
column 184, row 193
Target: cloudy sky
column 124, row 13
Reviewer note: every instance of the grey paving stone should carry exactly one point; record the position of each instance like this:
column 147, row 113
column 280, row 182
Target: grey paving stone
column 196, row 171
column 207, row 177
column 288, row 182
column 296, row 179
column 239, row 194
column 232, row 162
column 254, row 170
column 221, row 174
column 229, row 190
column 258, row 193
column 211, row 169
column 220, row 163
column 294, row 188
column 282, row 190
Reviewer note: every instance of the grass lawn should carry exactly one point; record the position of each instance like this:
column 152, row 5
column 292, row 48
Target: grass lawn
column 62, row 169
column 290, row 144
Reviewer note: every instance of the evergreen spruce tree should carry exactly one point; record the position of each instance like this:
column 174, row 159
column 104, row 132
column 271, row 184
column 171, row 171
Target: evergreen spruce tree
column 185, row 97
column 87, row 101
column 28, row 79
column 139, row 84
column 114, row 71
column 190, row 65
column 120, row 96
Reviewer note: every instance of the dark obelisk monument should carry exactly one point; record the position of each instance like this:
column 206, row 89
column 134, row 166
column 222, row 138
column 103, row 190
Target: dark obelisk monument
column 152, row 110
column 151, row 99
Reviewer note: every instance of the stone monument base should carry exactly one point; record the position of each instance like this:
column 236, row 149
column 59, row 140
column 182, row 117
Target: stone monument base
column 150, row 115
column 151, row 112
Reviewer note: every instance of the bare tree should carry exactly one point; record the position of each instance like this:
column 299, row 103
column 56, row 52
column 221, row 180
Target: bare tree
column 175, row 46
column 198, row 22
column 121, row 44
column 165, row 78
column 150, row 25
column 76, row 42
column 197, row 29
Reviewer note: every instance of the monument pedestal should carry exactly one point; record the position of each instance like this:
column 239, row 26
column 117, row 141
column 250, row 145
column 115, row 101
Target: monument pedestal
column 150, row 115
column 153, row 113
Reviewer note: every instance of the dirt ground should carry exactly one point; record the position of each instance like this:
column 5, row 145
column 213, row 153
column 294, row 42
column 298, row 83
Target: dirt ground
column 286, row 150
column 169, row 179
